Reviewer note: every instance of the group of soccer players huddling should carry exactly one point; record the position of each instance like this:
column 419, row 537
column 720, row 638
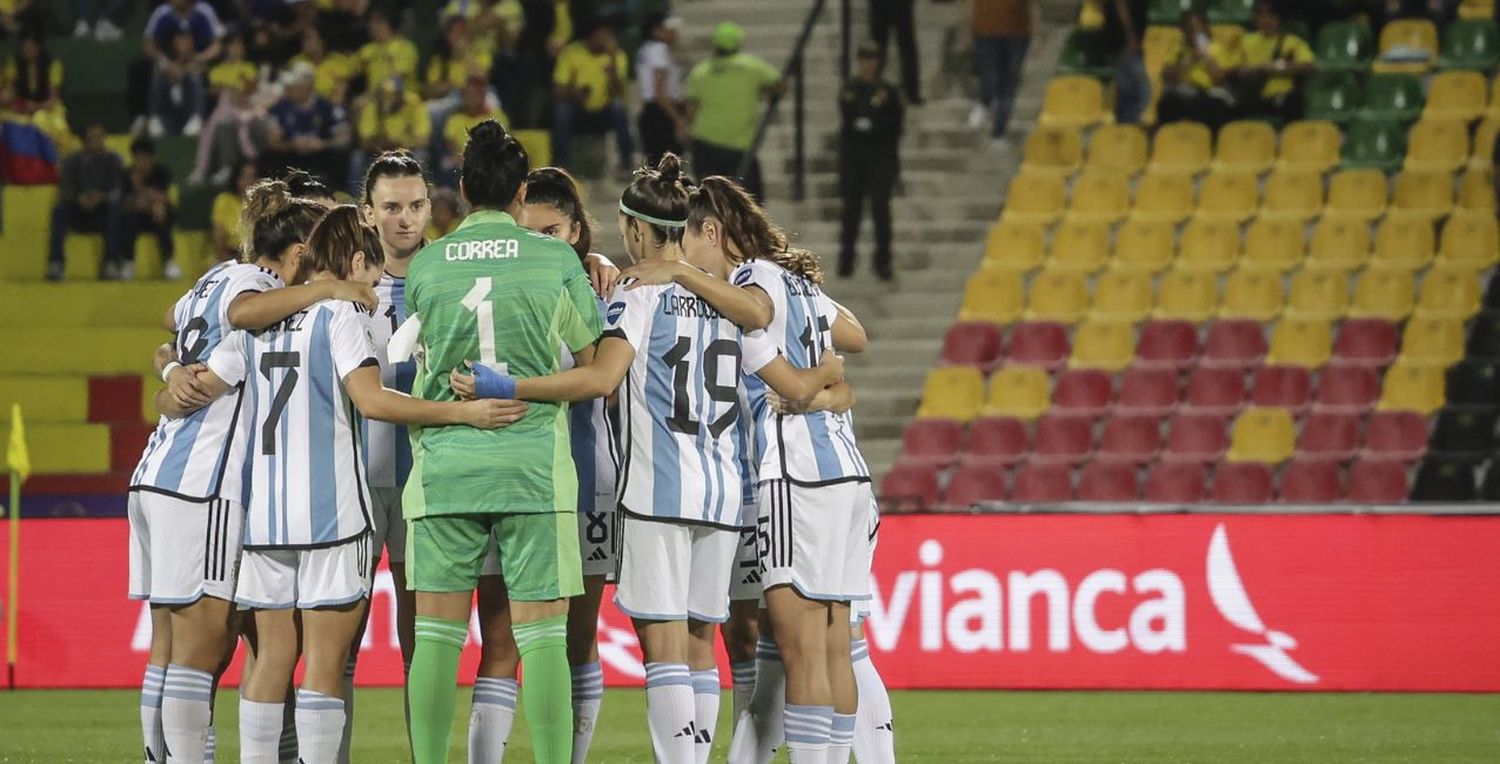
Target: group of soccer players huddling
column 502, row 411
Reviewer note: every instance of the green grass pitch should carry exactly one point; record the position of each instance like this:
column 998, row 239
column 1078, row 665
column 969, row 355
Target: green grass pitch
column 103, row 726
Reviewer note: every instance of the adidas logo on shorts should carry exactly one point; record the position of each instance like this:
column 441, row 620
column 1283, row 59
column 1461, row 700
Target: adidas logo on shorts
column 598, row 555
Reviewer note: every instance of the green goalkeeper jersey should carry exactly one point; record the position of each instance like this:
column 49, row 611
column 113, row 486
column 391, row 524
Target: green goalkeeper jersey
column 493, row 292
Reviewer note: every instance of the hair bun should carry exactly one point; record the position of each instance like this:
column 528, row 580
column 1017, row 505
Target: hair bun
column 669, row 168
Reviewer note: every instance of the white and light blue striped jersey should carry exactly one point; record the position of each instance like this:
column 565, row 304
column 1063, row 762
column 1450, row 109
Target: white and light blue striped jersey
column 682, row 454
column 304, row 461
column 806, row 449
column 749, row 459
column 596, row 454
column 196, row 458
column 388, row 446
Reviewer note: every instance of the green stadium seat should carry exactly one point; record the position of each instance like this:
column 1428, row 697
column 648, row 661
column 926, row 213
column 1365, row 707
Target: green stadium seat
column 1084, row 54
column 1167, row 12
column 1393, row 96
column 1472, row 45
column 1332, row 95
column 1344, row 45
column 1240, row 12
column 1377, row 145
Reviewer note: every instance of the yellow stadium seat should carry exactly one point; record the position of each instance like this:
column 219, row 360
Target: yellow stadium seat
column 1339, row 243
column 1305, row 342
column 1163, row 197
column 1208, row 245
column 1183, row 147
column 1255, row 295
column 1187, row 295
column 1078, row 247
column 1053, row 150
column 1476, row 190
column 1311, row 145
column 1458, row 96
column 1057, row 296
column 1019, row 391
column 1294, row 196
column 1449, row 293
column 1248, row 146
column 1099, row 197
column 1383, row 293
column 1470, row 239
column 1272, row 245
column 1423, row 193
column 1482, row 153
column 1015, row 246
column 1034, row 198
column 1142, row 245
column 1411, row 387
column 1437, row 145
column 1404, row 242
column 1357, row 195
column 1262, row 434
column 111, row 350
column 1161, row 45
column 1432, row 341
column 993, row 295
column 65, row 448
column 1230, row 198
column 46, row 398
column 1122, row 296
column 952, row 392
column 1415, row 34
column 1073, row 102
column 1476, row 10
column 1318, row 295
column 1107, row 345
column 1117, row 148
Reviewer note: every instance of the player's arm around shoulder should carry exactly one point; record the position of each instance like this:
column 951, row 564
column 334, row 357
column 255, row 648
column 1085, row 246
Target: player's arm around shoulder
column 190, row 388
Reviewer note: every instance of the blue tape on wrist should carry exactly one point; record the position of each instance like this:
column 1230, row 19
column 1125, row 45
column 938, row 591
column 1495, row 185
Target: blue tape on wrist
column 489, row 383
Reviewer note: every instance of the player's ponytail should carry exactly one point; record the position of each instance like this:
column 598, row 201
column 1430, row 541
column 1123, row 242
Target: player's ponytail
column 275, row 220
column 335, row 240
column 748, row 230
column 657, row 198
column 555, row 188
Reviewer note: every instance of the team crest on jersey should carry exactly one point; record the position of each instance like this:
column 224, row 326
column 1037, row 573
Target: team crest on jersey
column 612, row 315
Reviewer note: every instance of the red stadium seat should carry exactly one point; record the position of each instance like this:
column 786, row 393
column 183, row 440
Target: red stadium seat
column 1042, row 344
column 971, row 343
column 1130, row 439
column 931, row 441
column 1395, row 436
column 1063, row 439
column 996, row 441
column 972, row 485
column 1243, row 483
column 1377, row 481
column 1082, row 392
column 1198, row 438
column 1285, row 387
column 1108, row 481
column 909, row 488
column 1347, row 389
column 1167, row 344
column 1176, row 484
column 1214, row 391
column 1042, row 483
column 1147, row 391
column 1310, row 483
column 1234, row 345
column 1365, row 342
column 1328, row 437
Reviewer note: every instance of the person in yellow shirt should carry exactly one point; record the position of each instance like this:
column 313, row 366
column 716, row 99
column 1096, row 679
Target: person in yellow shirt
column 226, row 138
column 1195, row 84
column 387, row 53
column 393, row 118
column 496, row 24
column 333, row 70
column 476, row 107
column 590, row 83
column 1273, row 64
column 226, row 212
column 31, row 91
column 456, row 61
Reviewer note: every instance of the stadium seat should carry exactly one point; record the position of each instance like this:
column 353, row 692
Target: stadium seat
column 931, row 442
column 1147, row 392
column 1339, row 245
column 1108, row 481
column 996, row 441
column 1167, row 345
column 1057, row 296
column 1187, row 295
column 1243, row 483
column 909, row 488
column 1344, row 46
column 1073, row 102
column 1284, row 387
column 1449, row 293
column 1272, row 245
column 1078, row 246
column 1304, row 342
column 1201, row 438
column 953, row 392
column 1482, row 153
column 1356, row 195
column 1404, row 242
column 1376, row 481
column 1255, row 295
column 1392, row 97
column 1474, row 385
column 1117, row 148
column 1328, row 437
column 1383, row 293
column 1310, row 483
column 994, row 296
column 1410, row 387
column 972, row 485
column 1265, row 435
column 1294, row 196
column 1208, row 245
column 1216, row 392
column 1053, row 150
column 1476, row 191
column 1018, row 391
column 1161, row 45
column 1309, row 145
column 1456, row 96
column 1373, row 144
column 1122, row 296
column 1082, row 392
column 1177, row 483
column 1229, row 198
column 1440, row 146
column 1463, row 435
column 1470, row 239
column 1396, row 436
column 1237, row 345
column 1245, row 146
column 1038, row 483
column 1043, row 344
column 1318, row 295
column 1331, row 95
column 1432, row 341
column 1367, row 342
column 1034, row 198
column 1132, row 439
column 1416, row 36
column 1142, row 247
column 1238, row 12
column 1099, row 197
column 1015, row 246
column 973, row 344
column 1163, row 197
column 1347, row 390
column 1182, row 147
column 1107, row 345
column 1062, row 439
column 1472, row 45
column 1444, row 480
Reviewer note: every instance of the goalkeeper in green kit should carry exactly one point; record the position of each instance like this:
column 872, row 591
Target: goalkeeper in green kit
column 503, row 297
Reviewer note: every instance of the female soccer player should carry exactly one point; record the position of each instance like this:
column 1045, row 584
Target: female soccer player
column 307, row 528
column 680, row 491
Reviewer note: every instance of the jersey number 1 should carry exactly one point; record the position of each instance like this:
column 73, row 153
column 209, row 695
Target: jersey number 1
column 280, row 360
column 478, row 303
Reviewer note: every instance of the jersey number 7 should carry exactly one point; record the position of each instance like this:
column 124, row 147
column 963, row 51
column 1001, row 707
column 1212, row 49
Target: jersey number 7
column 288, row 360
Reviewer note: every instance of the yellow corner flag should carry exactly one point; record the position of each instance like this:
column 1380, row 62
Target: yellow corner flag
column 16, row 454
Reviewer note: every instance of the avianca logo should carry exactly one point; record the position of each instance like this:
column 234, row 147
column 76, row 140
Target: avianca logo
column 1228, row 594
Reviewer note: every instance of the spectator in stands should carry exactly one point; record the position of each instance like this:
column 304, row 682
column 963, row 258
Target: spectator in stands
column 663, row 121
column 90, row 183
column 590, row 94
column 869, row 157
column 178, row 97
column 494, row 24
column 142, row 207
column 333, row 71
column 225, row 235
column 456, row 61
column 1002, row 33
column 342, row 24
column 724, row 97
column 1123, row 32
column 447, row 213
column 171, row 70
column 31, row 91
column 19, row 18
column 887, row 16
column 274, row 28
column 477, row 106
column 228, row 137
column 393, row 118
column 103, row 25
column 521, row 74
column 1273, row 61
column 387, row 54
column 1195, row 83
column 306, row 130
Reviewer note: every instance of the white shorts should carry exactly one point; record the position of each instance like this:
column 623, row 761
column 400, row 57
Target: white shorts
column 674, row 571
column 278, row 579
column 388, row 526
column 745, row 583
column 816, row 539
column 860, row 610
column 598, row 542
column 182, row 550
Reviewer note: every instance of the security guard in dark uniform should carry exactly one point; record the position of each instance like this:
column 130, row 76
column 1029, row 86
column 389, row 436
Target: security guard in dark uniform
column 869, row 160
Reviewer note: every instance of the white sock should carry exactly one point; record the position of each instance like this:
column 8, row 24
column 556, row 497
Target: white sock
column 494, row 711
column 808, row 729
column 320, row 727
column 348, row 705
column 286, row 747
column 705, row 711
column 185, row 712
column 151, row 734
column 874, row 735
column 743, row 674
column 260, row 732
column 588, row 696
column 757, row 731
column 841, row 738
column 670, row 712
column 211, row 750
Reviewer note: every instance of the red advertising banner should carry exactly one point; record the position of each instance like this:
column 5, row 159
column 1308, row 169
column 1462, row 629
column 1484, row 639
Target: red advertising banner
column 1182, row 601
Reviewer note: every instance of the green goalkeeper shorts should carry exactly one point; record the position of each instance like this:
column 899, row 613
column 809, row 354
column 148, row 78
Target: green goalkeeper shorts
column 538, row 553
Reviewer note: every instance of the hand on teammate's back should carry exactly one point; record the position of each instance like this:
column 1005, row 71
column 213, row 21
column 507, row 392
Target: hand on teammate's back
column 493, row 413
column 603, row 274
column 187, row 389
column 354, row 291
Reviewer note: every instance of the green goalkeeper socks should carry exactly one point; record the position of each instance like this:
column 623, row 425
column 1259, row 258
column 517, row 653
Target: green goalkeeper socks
column 547, row 687
column 432, row 686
